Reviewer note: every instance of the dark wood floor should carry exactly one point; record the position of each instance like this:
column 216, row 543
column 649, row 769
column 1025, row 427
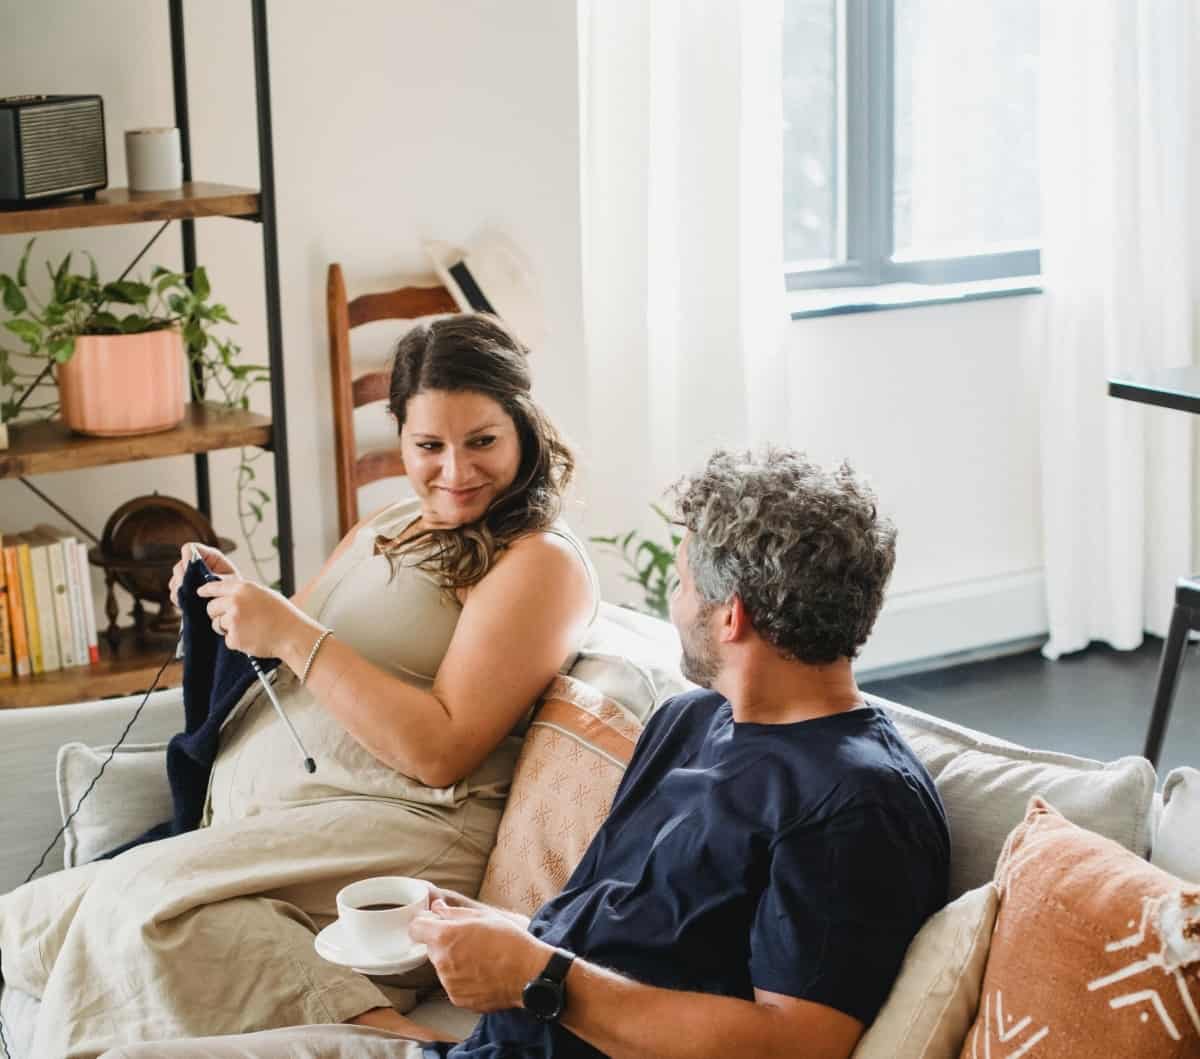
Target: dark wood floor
column 1095, row 703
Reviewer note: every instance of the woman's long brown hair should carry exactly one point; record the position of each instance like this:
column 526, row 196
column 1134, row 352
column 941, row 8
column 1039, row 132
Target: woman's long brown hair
column 477, row 353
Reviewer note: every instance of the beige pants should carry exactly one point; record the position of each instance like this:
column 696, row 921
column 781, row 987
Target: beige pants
column 212, row 932
column 306, row 1042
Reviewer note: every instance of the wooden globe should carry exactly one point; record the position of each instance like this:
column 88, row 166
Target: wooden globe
column 140, row 546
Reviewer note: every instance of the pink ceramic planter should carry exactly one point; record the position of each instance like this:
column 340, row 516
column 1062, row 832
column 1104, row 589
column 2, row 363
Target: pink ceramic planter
column 115, row 385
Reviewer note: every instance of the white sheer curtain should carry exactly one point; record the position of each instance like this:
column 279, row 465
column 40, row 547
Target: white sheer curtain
column 682, row 234
column 1119, row 264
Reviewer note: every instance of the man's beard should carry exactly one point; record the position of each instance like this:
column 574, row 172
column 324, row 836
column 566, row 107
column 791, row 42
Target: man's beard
column 699, row 662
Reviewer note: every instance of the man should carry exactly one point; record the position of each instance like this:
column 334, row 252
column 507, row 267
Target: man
column 771, row 851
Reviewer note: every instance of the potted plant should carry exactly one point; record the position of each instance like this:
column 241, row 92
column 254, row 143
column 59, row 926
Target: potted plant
column 649, row 564
column 119, row 350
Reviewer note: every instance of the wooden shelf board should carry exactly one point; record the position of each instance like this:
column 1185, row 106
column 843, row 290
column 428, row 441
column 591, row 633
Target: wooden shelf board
column 48, row 446
column 122, row 206
column 129, row 672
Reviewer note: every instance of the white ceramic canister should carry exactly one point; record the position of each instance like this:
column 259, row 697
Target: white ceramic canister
column 153, row 159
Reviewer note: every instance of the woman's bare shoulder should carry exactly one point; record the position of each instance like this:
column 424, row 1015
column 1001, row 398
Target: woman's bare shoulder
column 536, row 559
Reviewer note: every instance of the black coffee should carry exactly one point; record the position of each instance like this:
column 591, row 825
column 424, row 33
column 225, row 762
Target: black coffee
column 379, row 908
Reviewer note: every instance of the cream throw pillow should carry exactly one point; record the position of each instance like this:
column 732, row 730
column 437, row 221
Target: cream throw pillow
column 131, row 797
column 1177, row 838
column 986, row 783
column 936, row 996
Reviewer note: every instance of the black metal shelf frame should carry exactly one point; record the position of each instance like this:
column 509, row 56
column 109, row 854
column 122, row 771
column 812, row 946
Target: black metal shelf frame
column 267, row 219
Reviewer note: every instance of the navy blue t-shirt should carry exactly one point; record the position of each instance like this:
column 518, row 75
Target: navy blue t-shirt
column 792, row 858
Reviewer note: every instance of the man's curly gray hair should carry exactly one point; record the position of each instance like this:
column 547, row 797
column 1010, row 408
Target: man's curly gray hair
column 804, row 547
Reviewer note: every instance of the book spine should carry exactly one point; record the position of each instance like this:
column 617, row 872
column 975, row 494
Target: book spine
column 16, row 613
column 89, row 603
column 61, row 594
column 33, row 625
column 43, row 590
column 6, row 651
column 70, row 554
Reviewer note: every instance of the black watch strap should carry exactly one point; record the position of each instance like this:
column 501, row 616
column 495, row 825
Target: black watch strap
column 545, row 996
column 558, row 966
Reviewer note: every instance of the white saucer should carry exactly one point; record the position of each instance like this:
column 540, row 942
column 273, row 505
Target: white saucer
column 333, row 945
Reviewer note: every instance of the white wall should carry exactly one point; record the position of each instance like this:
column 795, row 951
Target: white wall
column 424, row 119
column 938, row 406
column 395, row 123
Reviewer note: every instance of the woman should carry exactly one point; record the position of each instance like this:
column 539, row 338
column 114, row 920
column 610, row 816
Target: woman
column 449, row 614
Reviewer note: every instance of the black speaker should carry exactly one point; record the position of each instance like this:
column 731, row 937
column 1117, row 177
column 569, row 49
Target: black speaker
column 51, row 145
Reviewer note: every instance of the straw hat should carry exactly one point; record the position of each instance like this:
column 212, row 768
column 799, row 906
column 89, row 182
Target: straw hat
column 490, row 275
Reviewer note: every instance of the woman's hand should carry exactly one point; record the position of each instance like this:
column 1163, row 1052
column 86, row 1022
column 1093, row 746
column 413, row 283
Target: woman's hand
column 213, row 558
column 254, row 619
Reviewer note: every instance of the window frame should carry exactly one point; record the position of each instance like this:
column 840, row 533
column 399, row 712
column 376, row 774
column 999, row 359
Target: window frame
column 866, row 95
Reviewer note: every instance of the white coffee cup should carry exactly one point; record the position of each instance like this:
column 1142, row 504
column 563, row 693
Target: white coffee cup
column 376, row 913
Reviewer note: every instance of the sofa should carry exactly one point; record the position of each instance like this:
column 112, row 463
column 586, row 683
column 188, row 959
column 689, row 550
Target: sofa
column 629, row 665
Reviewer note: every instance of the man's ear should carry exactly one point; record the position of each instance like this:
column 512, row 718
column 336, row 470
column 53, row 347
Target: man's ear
column 736, row 622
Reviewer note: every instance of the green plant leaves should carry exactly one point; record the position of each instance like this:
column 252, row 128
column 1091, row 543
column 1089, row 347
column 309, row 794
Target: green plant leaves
column 58, row 277
column 200, row 286
column 651, row 565
column 136, row 324
column 14, row 300
column 62, row 348
column 23, row 265
column 126, row 292
column 28, row 331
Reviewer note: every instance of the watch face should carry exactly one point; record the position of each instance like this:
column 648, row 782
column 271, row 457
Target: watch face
column 543, row 999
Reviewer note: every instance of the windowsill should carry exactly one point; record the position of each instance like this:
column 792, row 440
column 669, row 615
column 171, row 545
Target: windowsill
column 834, row 301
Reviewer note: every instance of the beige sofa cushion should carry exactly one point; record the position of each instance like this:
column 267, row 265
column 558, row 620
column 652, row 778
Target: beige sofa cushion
column 986, row 784
column 934, row 1000
column 631, row 658
column 1177, row 836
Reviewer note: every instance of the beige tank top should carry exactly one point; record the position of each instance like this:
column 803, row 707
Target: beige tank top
column 399, row 618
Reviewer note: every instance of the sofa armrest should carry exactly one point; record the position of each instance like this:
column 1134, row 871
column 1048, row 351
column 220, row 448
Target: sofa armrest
column 31, row 738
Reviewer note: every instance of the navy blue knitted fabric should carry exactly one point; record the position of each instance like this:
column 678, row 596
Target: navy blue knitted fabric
column 214, row 680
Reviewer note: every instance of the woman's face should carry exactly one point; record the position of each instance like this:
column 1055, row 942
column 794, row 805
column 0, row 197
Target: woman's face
column 461, row 451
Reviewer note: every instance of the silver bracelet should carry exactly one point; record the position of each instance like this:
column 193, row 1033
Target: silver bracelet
column 313, row 654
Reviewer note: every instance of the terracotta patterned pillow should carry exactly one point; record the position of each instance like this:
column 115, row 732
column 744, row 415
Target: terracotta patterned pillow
column 572, row 760
column 1096, row 953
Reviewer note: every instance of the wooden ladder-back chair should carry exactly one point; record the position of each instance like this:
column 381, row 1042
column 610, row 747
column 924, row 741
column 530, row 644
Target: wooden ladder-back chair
column 351, row 392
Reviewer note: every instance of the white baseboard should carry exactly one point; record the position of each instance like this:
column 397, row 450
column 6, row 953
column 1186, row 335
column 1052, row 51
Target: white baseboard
column 929, row 624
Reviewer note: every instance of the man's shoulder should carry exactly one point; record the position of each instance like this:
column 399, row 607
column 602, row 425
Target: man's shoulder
column 695, row 706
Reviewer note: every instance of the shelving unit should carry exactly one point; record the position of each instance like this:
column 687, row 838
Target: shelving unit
column 48, row 447
column 122, row 206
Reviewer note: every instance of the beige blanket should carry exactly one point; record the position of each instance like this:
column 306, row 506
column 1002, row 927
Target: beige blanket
column 212, row 932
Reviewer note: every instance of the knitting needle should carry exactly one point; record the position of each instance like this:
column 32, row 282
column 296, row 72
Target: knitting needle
column 310, row 765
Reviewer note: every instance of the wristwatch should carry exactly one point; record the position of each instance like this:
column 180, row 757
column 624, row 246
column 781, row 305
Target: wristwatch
column 545, row 996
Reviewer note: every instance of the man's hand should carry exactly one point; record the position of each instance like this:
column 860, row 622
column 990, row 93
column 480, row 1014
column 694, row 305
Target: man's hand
column 456, row 900
column 483, row 958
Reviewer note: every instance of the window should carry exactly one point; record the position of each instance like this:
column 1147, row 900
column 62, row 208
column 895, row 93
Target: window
column 910, row 141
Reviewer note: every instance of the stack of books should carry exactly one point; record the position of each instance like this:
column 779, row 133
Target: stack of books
column 47, row 608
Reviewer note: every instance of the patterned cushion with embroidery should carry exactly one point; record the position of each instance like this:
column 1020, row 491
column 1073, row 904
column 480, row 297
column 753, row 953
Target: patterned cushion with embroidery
column 1096, row 953
column 574, row 755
